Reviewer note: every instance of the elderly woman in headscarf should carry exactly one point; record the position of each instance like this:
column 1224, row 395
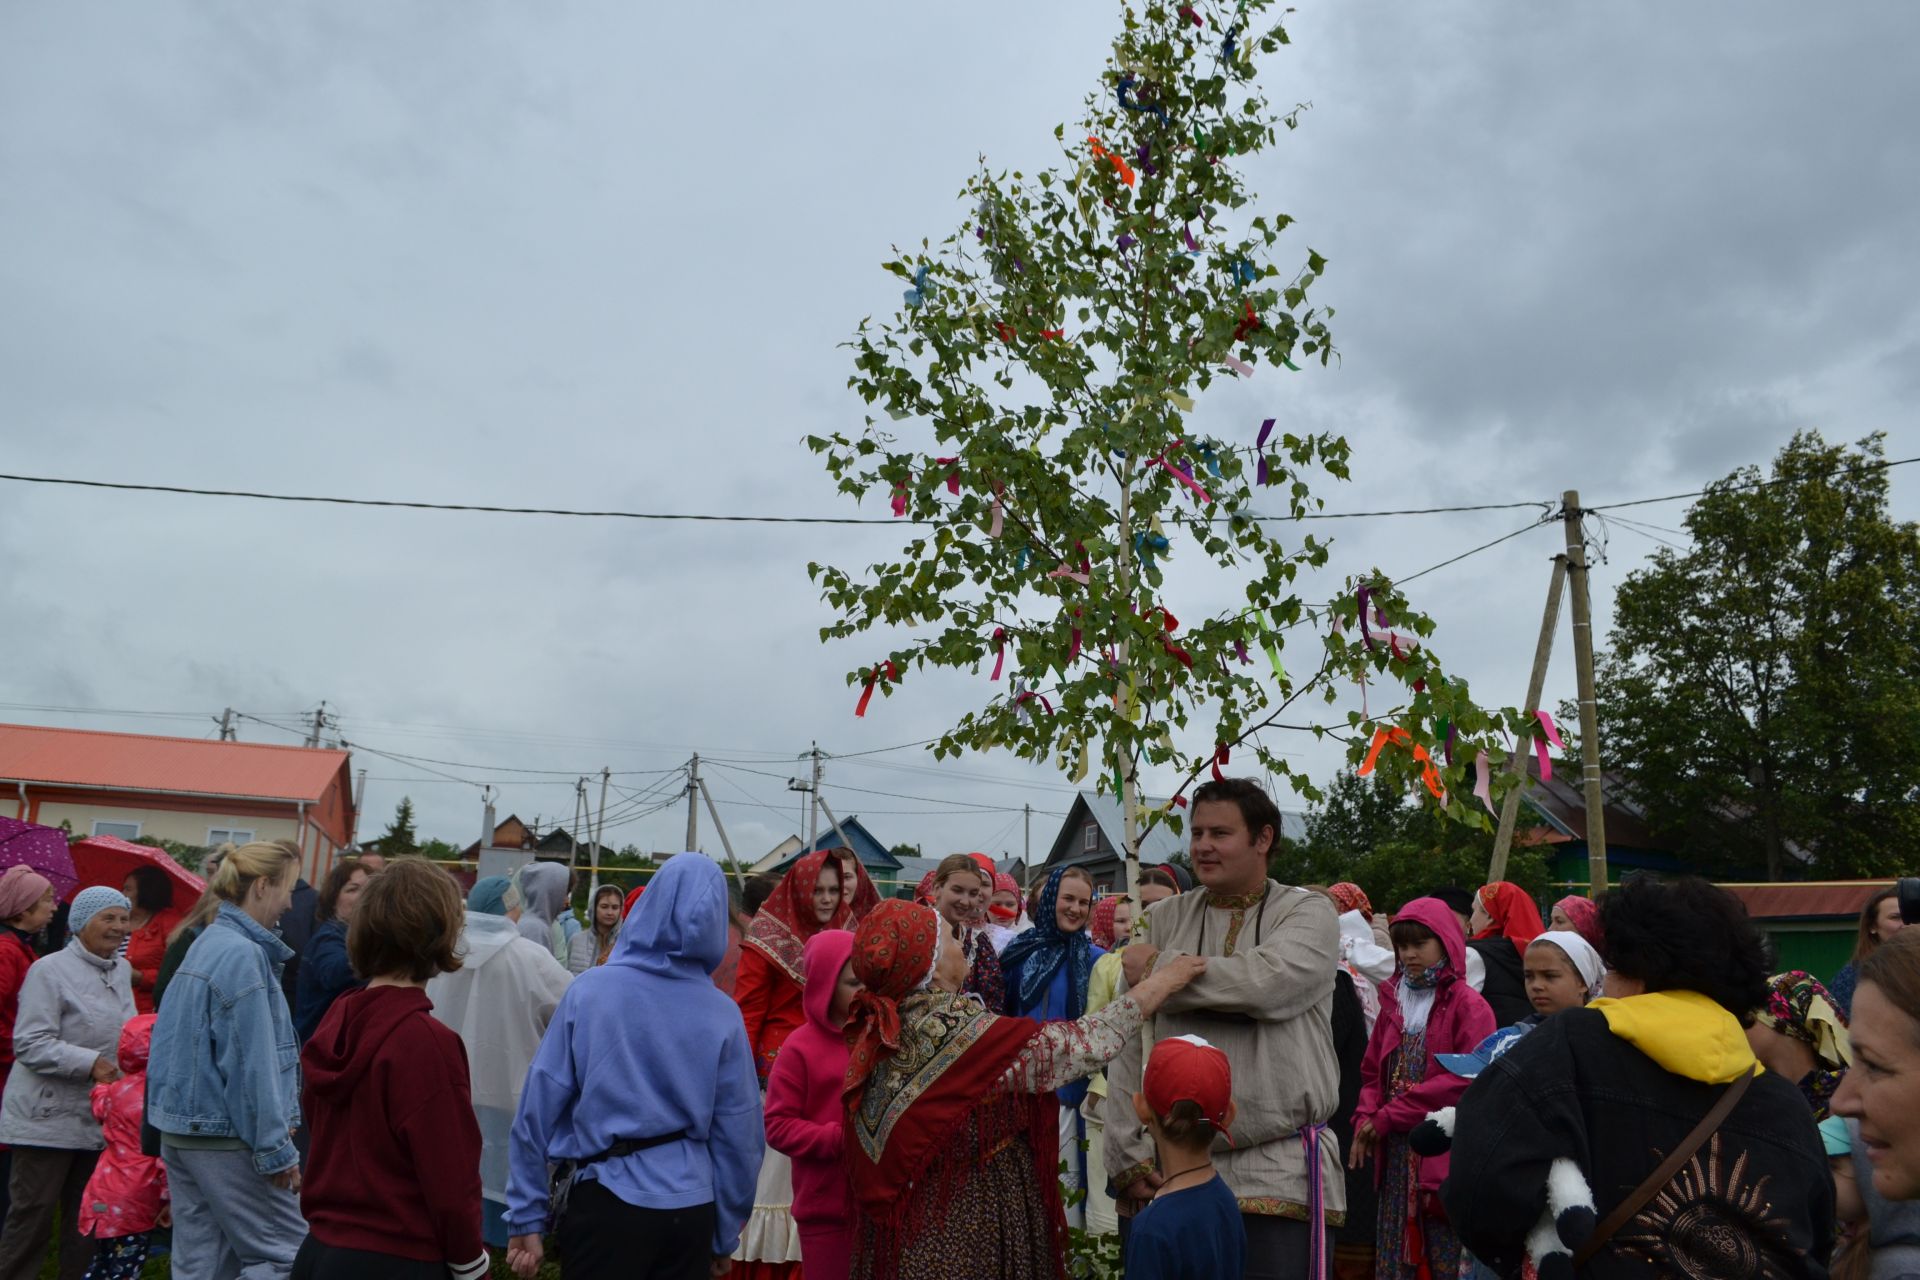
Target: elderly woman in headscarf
column 499, row 1002
column 1049, row 969
column 952, row 1142
column 1801, row 1036
column 827, row 889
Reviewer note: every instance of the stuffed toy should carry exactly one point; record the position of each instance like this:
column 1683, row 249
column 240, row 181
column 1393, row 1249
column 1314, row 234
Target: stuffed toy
column 1569, row 1219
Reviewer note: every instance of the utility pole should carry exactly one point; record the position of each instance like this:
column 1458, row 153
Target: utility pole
column 1026, row 855
column 822, row 802
column 579, row 816
column 226, row 726
column 1589, row 711
column 706, row 793
column 813, row 809
column 1536, row 683
column 600, row 827
column 693, row 805
column 319, row 722
column 359, row 798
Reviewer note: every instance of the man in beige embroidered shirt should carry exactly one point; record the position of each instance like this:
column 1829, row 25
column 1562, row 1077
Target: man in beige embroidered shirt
column 1266, row 1000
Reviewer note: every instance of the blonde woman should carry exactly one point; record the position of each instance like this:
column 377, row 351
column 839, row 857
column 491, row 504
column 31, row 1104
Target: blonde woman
column 224, row 1081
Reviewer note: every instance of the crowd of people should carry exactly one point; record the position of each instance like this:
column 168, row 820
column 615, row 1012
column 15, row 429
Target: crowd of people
column 796, row 1079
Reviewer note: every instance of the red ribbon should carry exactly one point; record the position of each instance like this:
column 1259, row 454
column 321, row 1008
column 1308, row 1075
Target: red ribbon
column 899, row 497
column 885, row 673
column 953, row 476
column 1200, row 495
column 1248, row 325
column 1029, row 693
column 1186, row 11
column 999, row 651
column 1004, row 329
column 1222, row 754
column 1054, row 334
column 1074, row 652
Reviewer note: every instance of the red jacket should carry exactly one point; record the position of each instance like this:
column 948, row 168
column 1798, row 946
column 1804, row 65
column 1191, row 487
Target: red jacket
column 805, row 1116
column 16, row 957
column 769, row 1003
column 1459, row 1020
column 124, row 1195
column 146, row 948
column 395, row 1163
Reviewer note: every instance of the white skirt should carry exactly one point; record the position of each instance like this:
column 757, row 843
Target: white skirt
column 770, row 1234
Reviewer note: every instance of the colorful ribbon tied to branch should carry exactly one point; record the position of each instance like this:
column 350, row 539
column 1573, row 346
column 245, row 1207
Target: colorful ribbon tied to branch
column 1236, row 364
column 1552, row 733
column 1025, row 696
column 900, row 496
column 1243, row 272
column 1085, row 575
column 1186, row 11
column 1186, row 233
column 1483, row 783
column 1169, row 624
column 1147, row 545
column 918, row 294
column 1400, row 737
column 953, row 475
column 1206, row 452
column 1199, row 494
column 1248, row 325
column 1226, row 46
column 1266, row 429
column 1120, row 166
column 1240, row 651
column 1130, row 103
column 999, row 651
column 883, row 674
column 1073, row 650
column 1143, row 156
column 999, row 513
column 1222, row 754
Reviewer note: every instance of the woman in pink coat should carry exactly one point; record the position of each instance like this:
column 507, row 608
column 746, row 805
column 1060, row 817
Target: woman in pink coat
column 805, row 1116
column 1427, row 1008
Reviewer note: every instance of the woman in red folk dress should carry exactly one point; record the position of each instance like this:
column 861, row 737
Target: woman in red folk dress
column 952, row 1128
column 827, row 889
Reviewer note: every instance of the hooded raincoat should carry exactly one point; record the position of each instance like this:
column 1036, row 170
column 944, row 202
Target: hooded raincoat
column 804, row 1113
column 128, row 1186
column 605, row 1073
column 499, row 1002
column 544, row 910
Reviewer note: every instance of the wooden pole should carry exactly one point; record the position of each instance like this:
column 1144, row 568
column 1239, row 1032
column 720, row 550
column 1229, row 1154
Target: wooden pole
column 1129, row 785
column 1536, row 683
column 1589, row 714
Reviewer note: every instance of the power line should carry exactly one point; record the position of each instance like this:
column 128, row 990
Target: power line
column 1485, row 546
column 1859, row 469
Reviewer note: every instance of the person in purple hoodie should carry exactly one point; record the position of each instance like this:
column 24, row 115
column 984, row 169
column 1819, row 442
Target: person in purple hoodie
column 1426, row 1009
column 644, row 1092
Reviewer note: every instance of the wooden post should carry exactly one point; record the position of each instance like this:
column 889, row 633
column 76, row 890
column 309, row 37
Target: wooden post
column 1129, row 785
column 1589, row 714
column 1510, row 804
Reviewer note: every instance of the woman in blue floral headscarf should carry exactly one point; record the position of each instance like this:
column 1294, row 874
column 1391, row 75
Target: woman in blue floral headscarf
column 1047, row 969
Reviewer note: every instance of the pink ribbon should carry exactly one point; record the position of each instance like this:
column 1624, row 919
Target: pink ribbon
column 1540, row 746
column 1084, row 577
column 1482, row 782
column 1238, row 365
column 953, row 476
column 1185, row 479
column 1019, row 703
column 999, row 651
column 900, row 497
column 993, row 530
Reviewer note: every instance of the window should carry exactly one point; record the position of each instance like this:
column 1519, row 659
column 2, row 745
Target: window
column 1092, row 837
column 217, row 836
column 123, row 830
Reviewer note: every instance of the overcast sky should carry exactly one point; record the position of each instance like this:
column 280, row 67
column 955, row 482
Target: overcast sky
column 602, row 255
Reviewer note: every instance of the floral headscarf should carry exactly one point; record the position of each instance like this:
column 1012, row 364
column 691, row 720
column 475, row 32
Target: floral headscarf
column 1802, row 1009
column 1038, row 954
column 924, row 894
column 1349, row 896
column 1104, row 911
column 894, row 950
column 1584, row 915
column 1004, row 883
column 783, row 925
column 1515, row 918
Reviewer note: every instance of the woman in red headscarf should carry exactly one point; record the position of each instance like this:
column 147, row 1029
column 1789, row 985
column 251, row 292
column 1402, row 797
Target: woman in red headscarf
column 827, row 889
column 953, row 1144
column 1578, row 915
column 1505, row 921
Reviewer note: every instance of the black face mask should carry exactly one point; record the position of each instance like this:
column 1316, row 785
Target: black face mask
column 1909, row 891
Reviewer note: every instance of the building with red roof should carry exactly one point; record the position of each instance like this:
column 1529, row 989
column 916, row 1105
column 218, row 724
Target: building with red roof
column 193, row 790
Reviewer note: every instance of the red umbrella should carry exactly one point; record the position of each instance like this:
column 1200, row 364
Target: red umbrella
column 109, row 860
column 42, row 848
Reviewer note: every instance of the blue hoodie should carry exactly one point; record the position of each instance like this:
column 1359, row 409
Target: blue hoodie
column 605, row 1071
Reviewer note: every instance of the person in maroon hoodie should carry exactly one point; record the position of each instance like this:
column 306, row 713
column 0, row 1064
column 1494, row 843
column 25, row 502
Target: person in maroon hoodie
column 392, row 1189
column 805, row 1116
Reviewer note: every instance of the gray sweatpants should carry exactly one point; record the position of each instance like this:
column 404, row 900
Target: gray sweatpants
column 229, row 1223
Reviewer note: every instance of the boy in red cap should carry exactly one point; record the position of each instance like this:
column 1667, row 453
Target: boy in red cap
column 1191, row 1229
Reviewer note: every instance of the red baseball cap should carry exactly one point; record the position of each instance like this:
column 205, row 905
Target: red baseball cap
column 1188, row 1069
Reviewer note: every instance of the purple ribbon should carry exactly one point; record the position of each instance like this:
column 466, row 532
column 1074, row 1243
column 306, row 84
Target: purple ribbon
column 1362, row 596
column 1266, row 429
column 1316, row 1202
column 1187, row 232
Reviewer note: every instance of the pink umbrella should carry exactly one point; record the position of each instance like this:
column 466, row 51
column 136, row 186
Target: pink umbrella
column 42, row 848
column 109, row 860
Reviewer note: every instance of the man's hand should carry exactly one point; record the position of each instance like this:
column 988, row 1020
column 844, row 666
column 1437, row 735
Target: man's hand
column 286, row 1179
column 1136, row 961
column 524, row 1255
column 1134, row 1196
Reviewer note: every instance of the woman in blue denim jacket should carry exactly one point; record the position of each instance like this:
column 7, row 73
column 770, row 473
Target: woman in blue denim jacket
column 224, row 1081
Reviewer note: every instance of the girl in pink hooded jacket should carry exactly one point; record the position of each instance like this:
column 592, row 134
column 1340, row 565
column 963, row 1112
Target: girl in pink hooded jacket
column 805, row 1113
column 126, row 1198
column 1427, row 1008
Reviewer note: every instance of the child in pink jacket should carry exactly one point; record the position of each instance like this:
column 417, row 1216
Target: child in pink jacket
column 805, row 1116
column 1426, row 1008
column 126, row 1198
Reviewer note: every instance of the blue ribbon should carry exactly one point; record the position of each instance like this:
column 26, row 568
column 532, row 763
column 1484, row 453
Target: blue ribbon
column 918, row 294
column 1126, row 103
column 1146, row 545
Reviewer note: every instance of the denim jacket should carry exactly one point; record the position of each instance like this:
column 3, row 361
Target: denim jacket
column 225, row 1063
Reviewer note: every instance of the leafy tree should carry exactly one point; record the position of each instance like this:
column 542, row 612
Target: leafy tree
column 1761, row 695
column 400, row 837
column 438, row 850
column 1044, row 369
column 187, row 855
column 905, row 851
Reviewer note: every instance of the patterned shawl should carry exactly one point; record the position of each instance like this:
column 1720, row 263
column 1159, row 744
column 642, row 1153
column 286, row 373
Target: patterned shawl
column 1515, row 918
column 1349, row 896
column 1584, row 915
column 784, row 924
column 1036, row 955
column 921, row 1063
column 1799, row 1007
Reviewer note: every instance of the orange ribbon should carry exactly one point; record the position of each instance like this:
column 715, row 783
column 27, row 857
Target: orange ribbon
column 1120, row 166
column 1400, row 737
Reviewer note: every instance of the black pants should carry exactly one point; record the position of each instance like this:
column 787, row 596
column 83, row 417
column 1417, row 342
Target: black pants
column 317, row 1261
column 605, row 1238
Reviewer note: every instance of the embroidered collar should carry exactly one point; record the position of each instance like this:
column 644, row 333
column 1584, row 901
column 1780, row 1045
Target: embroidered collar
column 1236, row 901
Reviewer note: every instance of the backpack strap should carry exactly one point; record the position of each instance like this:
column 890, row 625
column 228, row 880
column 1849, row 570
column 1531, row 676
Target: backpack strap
column 1624, row 1211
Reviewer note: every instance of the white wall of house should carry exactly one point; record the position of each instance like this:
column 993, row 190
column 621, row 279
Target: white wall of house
column 208, row 827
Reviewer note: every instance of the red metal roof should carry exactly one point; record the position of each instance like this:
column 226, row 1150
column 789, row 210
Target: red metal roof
column 1828, row 898
column 185, row 766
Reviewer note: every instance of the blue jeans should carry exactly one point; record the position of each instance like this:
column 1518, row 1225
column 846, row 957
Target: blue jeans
column 229, row 1223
